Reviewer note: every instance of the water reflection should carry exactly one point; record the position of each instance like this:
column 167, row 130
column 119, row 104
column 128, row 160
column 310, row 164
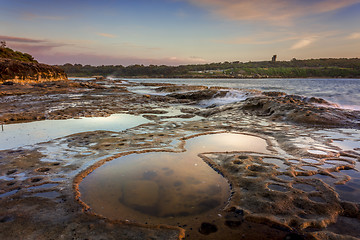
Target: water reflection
column 21, row 134
column 164, row 187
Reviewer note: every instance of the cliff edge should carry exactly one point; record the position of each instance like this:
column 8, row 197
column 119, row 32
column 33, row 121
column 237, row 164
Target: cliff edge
column 22, row 68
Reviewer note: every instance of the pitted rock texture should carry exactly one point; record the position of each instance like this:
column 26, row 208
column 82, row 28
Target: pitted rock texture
column 282, row 197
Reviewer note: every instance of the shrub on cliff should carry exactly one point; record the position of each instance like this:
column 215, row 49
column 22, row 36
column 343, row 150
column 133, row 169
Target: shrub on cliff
column 21, row 67
column 16, row 55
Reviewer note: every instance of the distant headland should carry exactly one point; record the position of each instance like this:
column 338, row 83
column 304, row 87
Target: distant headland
column 311, row 68
column 16, row 66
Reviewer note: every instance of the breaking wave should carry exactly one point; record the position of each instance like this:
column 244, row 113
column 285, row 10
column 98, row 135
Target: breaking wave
column 231, row 97
column 351, row 107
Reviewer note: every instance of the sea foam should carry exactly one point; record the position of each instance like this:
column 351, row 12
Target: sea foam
column 231, row 97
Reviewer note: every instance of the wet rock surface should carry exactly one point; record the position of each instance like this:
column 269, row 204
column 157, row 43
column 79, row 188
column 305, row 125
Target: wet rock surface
column 296, row 109
column 306, row 188
column 70, row 99
column 170, row 88
column 207, row 228
column 198, row 95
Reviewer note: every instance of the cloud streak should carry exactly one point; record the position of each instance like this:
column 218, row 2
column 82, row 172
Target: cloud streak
column 30, row 45
column 53, row 52
column 278, row 12
column 302, row 43
column 95, row 59
column 34, row 49
column 107, row 35
column 20, row 39
column 353, row 36
column 259, row 39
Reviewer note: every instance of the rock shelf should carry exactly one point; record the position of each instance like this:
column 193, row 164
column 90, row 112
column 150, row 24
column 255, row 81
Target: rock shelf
column 305, row 187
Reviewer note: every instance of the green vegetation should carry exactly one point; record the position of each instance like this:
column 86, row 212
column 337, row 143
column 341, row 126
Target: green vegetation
column 21, row 67
column 332, row 68
column 326, row 67
column 6, row 52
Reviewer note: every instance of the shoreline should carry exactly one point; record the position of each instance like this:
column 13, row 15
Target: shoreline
column 220, row 77
column 38, row 181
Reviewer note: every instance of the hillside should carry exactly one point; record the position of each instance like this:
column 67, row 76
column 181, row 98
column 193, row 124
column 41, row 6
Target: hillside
column 22, row 67
column 330, row 68
column 16, row 55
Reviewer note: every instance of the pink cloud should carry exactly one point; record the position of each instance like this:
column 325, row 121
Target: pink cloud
column 94, row 59
column 265, row 38
column 275, row 11
column 34, row 48
column 353, row 36
column 302, row 43
column 107, row 35
column 20, row 39
column 30, row 45
column 49, row 52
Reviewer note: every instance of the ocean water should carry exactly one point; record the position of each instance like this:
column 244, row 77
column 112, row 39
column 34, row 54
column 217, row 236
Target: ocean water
column 178, row 186
column 343, row 92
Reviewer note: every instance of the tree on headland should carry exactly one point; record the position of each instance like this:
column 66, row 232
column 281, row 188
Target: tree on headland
column 6, row 52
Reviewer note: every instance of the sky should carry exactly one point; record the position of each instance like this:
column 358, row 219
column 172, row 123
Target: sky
column 176, row 32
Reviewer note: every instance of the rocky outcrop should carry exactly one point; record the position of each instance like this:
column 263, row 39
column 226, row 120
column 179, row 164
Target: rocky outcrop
column 179, row 88
column 293, row 108
column 28, row 72
column 199, row 95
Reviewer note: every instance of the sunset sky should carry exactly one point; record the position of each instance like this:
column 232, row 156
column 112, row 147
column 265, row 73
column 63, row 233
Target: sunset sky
column 177, row 32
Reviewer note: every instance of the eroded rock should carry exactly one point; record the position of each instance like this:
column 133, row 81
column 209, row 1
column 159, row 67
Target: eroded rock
column 292, row 108
column 199, row 95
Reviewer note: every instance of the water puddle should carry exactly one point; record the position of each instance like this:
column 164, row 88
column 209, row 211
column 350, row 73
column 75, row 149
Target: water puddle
column 48, row 185
column 349, row 144
column 8, row 193
column 175, row 113
column 6, row 178
column 278, row 162
column 328, row 165
column 285, row 177
column 294, row 161
column 277, row 187
column 22, row 134
column 317, row 152
column 310, row 160
column 50, row 195
column 350, row 191
column 165, row 187
column 309, row 168
column 304, row 187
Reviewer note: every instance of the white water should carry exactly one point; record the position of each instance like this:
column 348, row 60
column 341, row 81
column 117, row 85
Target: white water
column 343, row 92
column 231, row 97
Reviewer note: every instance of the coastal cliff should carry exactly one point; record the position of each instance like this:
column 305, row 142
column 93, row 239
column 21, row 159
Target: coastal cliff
column 22, row 68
